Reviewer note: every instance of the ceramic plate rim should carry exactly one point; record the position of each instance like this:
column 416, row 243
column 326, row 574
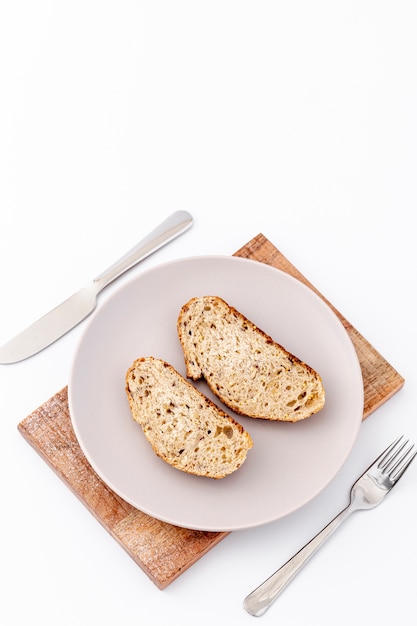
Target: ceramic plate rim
column 190, row 517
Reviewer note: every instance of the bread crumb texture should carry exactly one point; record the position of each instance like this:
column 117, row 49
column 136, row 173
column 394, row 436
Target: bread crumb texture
column 243, row 366
column 184, row 427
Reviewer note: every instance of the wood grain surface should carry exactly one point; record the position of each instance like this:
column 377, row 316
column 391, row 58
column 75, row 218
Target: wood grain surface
column 164, row 551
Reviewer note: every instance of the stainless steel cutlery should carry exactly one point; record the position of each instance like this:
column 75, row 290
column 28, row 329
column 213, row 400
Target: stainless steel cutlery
column 367, row 492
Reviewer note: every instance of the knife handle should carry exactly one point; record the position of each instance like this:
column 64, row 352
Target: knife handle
column 170, row 228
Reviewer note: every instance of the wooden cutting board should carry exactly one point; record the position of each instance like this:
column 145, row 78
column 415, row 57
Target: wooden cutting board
column 164, row 551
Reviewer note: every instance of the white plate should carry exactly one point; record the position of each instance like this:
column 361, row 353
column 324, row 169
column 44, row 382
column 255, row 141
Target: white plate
column 289, row 463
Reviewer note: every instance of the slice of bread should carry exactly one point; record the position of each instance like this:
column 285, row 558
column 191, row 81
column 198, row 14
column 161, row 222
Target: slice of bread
column 248, row 371
column 184, row 428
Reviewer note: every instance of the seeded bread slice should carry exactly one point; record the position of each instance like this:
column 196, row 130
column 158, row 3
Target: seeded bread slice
column 248, row 371
column 184, row 428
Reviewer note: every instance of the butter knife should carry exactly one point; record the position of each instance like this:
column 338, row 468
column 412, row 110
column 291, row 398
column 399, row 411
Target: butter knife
column 77, row 307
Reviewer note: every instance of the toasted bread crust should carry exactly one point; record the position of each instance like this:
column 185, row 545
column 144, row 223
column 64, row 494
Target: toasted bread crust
column 243, row 366
column 184, row 427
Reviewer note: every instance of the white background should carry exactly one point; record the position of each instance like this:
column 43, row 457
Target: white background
column 294, row 119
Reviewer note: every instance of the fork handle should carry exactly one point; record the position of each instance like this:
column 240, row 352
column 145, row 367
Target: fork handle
column 257, row 602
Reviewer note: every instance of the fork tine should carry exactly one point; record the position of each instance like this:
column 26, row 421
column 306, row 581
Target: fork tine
column 391, row 454
column 390, row 462
column 399, row 468
column 402, row 457
column 380, row 461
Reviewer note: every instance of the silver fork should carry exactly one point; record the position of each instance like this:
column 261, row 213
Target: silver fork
column 367, row 492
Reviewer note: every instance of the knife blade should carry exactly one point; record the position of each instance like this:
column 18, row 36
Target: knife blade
column 77, row 307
